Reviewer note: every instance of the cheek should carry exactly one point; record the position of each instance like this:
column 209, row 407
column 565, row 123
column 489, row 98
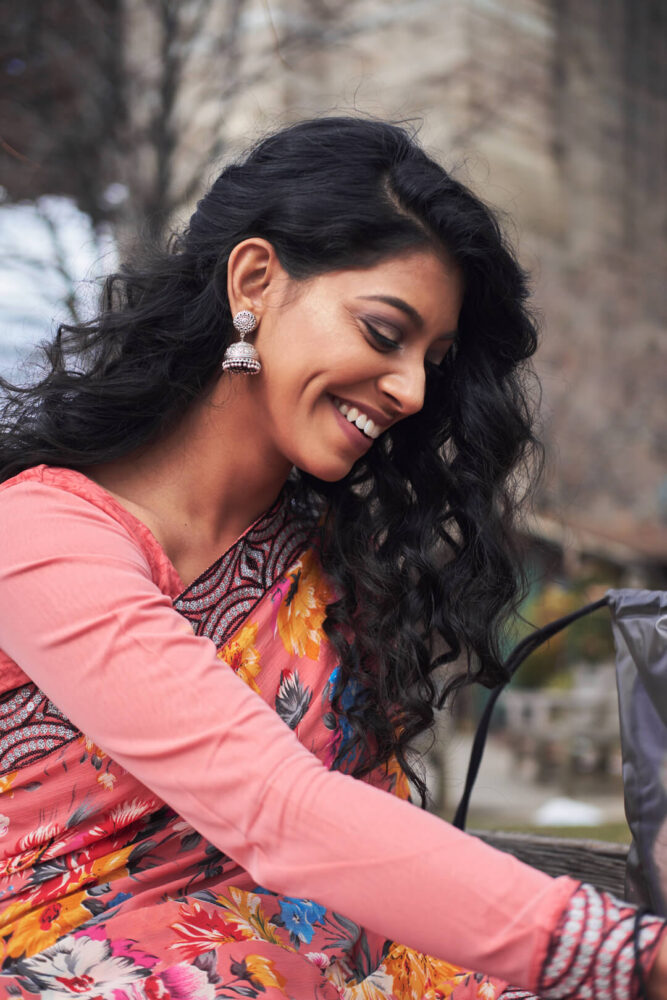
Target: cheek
column 305, row 353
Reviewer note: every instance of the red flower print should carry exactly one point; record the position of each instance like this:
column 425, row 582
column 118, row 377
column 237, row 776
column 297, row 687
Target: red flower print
column 48, row 915
column 155, row 989
column 200, row 930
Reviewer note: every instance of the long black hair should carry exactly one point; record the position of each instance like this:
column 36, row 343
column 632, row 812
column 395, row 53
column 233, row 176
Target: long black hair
column 417, row 538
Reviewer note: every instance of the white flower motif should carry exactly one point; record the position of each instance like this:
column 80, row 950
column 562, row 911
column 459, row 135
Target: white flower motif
column 185, row 980
column 79, row 967
column 39, row 836
column 319, row 959
column 106, row 779
column 181, row 826
column 4, row 825
column 126, row 812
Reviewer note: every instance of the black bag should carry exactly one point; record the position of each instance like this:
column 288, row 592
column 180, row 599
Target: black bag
column 639, row 622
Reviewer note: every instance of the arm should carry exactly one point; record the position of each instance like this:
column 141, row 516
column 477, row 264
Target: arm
column 80, row 613
column 657, row 980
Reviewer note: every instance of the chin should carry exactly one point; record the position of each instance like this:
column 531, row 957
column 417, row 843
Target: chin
column 327, row 476
column 328, row 473
column 333, row 477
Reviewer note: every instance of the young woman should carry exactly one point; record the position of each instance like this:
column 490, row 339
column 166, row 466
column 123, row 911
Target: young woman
column 227, row 575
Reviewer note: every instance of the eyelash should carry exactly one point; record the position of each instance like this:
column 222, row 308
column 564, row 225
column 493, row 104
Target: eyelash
column 386, row 344
column 383, row 343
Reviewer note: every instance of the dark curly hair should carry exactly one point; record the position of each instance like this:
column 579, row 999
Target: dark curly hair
column 418, row 537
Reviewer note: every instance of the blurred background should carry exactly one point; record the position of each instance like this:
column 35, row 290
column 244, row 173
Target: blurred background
column 117, row 114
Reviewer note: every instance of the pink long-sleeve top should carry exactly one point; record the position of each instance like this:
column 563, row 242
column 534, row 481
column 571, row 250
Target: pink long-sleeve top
column 86, row 613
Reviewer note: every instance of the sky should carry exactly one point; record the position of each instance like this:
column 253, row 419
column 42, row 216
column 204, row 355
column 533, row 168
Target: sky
column 48, row 250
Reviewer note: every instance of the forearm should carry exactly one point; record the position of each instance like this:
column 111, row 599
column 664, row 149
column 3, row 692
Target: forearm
column 656, row 980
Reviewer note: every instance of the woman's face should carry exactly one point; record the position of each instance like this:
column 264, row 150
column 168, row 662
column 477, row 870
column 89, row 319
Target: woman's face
column 344, row 356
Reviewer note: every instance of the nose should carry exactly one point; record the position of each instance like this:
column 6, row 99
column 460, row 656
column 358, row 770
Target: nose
column 405, row 386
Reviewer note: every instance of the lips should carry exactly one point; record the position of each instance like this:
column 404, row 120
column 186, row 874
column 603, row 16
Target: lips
column 360, row 419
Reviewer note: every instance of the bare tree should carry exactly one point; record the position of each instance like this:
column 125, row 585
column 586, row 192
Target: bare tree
column 61, row 103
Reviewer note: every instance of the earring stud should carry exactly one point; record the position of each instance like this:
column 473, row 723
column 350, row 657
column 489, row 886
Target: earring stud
column 242, row 356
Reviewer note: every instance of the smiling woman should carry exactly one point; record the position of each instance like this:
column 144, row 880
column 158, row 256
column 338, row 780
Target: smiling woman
column 245, row 517
column 337, row 342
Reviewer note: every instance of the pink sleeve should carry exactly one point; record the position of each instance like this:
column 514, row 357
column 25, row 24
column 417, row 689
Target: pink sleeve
column 80, row 613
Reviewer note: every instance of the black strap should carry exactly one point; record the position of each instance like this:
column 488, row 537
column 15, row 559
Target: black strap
column 520, row 652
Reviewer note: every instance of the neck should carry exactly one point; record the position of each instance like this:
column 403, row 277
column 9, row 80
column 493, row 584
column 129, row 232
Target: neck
column 201, row 485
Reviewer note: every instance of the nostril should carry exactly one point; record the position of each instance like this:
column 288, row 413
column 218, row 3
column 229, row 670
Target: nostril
column 405, row 387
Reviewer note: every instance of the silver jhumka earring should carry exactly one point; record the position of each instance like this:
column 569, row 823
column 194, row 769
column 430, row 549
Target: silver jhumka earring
column 242, row 356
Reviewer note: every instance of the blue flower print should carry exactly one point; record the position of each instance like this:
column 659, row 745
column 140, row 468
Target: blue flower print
column 314, row 912
column 298, row 917
column 353, row 693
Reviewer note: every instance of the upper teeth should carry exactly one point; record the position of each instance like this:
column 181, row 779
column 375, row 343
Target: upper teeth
column 358, row 418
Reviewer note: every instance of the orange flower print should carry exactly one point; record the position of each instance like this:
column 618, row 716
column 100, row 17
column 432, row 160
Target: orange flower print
column 6, row 782
column 32, row 932
column 244, row 910
column 407, row 971
column 241, row 655
column 303, row 599
column 378, row 986
column 263, row 971
column 418, row 976
column 91, row 747
column 92, row 753
column 398, row 782
column 108, row 867
column 11, row 864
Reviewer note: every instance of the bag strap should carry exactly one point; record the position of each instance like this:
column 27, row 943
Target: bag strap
column 520, row 652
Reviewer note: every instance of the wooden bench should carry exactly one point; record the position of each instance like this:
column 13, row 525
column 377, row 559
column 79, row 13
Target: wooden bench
column 602, row 864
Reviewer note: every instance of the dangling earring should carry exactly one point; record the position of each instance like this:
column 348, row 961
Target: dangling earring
column 242, row 356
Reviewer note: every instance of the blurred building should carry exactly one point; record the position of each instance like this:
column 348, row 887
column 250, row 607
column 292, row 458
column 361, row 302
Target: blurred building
column 554, row 110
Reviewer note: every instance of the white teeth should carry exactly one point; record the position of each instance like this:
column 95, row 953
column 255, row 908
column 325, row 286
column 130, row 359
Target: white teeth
column 359, row 419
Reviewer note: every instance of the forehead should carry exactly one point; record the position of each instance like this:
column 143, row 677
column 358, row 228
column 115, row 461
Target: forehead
column 429, row 282
column 423, row 276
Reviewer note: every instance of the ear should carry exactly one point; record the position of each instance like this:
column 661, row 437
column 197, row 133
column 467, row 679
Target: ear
column 253, row 271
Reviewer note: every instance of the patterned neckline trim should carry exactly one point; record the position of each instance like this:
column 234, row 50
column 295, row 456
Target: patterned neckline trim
column 219, row 600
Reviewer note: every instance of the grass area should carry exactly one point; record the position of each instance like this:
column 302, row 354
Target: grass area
column 617, row 833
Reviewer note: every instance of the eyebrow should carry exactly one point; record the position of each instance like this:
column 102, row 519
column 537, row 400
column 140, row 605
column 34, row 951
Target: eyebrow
column 405, row 307
column 408, row 310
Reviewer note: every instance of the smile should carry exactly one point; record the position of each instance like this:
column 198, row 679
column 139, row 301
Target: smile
column 359, row 419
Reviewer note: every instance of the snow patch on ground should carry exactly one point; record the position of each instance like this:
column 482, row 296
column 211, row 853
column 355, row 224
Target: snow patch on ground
column 561, row 811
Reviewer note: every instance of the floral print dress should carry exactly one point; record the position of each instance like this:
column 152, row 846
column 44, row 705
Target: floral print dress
column 107, row 894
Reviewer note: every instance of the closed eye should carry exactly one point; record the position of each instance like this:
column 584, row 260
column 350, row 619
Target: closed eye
column 437, row 357
column 382, row 343
column 434, row 367
column 437, row 360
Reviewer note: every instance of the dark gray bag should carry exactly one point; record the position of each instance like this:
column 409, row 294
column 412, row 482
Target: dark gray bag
column 639, row 620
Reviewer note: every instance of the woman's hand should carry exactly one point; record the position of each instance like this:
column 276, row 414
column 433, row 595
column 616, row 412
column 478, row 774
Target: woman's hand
column 657, row 980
